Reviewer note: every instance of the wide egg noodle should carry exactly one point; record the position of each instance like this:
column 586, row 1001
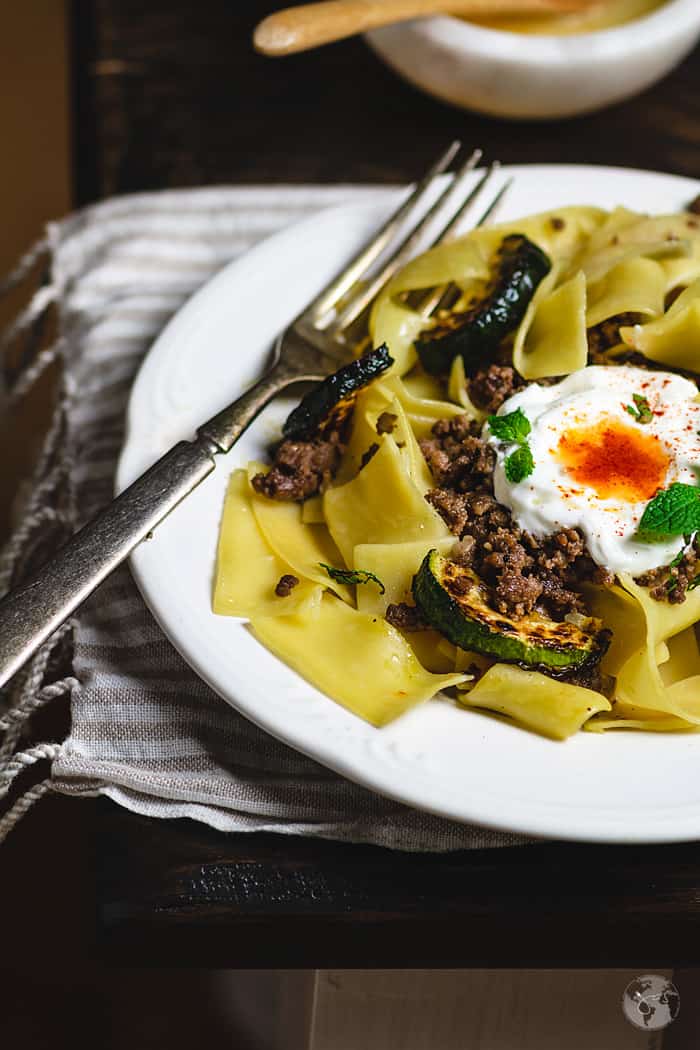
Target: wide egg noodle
column 674, row 338
column 607, row 233
column 672, row 240
column 627, row 716
column 662, row 675
column 664, row 620
column 359, row 660
column 422, row 400
column 682, row 658
column 418, row 395
column 640, row 683
column 555, row 342
column 465, row 262
column 621, row 613
column 380, row 505
column 562, row 232
column 413, row 459
column 401, row 433
column 418, row 389
column 395, row 564
column 547, row 706
column 677, row 241
column 312, row 511
column 238, row 591
column 426, row 646
column 546, row 285
column 458, row 390
column 459, row 261
column 369, row 404
column 303, row 547
column 636, row 286
column 398, row 327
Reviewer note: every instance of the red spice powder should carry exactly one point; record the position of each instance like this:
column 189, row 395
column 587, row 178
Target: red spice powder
column 614, row 460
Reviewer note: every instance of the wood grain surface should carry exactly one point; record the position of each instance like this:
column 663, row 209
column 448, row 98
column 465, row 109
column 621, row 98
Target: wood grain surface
column 169, row 891
column 172, row 94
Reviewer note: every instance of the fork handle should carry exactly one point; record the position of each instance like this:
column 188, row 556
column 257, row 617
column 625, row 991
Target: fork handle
column 30, row 614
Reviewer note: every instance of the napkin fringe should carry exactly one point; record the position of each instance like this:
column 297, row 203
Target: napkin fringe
column 9, row 771
column 22, row 806
column 29, row 692
column 25, row 264
column 34, row 359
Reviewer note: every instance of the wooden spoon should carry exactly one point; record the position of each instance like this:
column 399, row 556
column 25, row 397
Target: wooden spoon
column 310, row 25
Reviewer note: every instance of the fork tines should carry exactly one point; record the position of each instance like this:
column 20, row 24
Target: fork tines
column 339, row 305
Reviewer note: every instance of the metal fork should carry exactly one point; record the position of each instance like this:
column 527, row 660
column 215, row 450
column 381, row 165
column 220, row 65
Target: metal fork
column 309, row 350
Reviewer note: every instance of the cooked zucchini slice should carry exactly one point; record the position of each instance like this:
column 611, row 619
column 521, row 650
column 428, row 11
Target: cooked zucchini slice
column 329, row 404
column 519, row 266
column 455, row 602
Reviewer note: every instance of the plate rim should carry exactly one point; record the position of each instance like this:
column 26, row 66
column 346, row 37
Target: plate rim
column 678, row 829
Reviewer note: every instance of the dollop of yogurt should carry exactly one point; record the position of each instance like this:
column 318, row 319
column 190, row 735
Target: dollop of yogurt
column 597, row 464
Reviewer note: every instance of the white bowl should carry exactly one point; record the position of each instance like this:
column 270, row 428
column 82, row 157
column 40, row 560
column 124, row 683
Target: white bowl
column 508, row 74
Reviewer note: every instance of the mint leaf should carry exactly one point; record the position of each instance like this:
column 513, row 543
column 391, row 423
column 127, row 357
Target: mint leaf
column 644, row 412
column 674, row 511
column 352, row 576
column 519, row 465
column 515, row 426
column 641, row 409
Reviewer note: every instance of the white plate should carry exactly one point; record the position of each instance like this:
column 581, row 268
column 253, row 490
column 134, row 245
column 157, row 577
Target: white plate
column 617, row 787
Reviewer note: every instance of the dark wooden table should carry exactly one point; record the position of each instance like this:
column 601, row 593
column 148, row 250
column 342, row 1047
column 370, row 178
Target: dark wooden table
column 171, row 94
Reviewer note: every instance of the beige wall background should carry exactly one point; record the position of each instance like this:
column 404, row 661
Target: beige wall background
column 34, row 117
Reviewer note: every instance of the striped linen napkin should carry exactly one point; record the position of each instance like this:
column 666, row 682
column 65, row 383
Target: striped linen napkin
column 146, row 731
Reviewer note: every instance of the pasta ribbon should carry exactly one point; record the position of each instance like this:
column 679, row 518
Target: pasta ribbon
column 636, row 286
column 238, row 591
column 369, row 405
column 674, row 338
column 562, row 233
column 420, row 395
column 554, row 341
column 380, row 505
column 358, row 659
column 395, row 564
column 672, row 240
column 303, row 547
column 654, row 653
column 458, row 390
column 398, row 327
column 545, row 705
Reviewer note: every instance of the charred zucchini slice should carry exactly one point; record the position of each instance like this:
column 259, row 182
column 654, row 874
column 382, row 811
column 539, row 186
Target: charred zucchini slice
column 329, row 404
column 456, row 603
column 519, row 266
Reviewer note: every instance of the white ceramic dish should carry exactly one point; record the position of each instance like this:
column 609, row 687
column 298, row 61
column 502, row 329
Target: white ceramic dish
column 514, row 75
column 624, row 787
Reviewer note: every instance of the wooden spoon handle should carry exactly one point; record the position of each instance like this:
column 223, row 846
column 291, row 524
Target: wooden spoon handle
column 310, row 25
